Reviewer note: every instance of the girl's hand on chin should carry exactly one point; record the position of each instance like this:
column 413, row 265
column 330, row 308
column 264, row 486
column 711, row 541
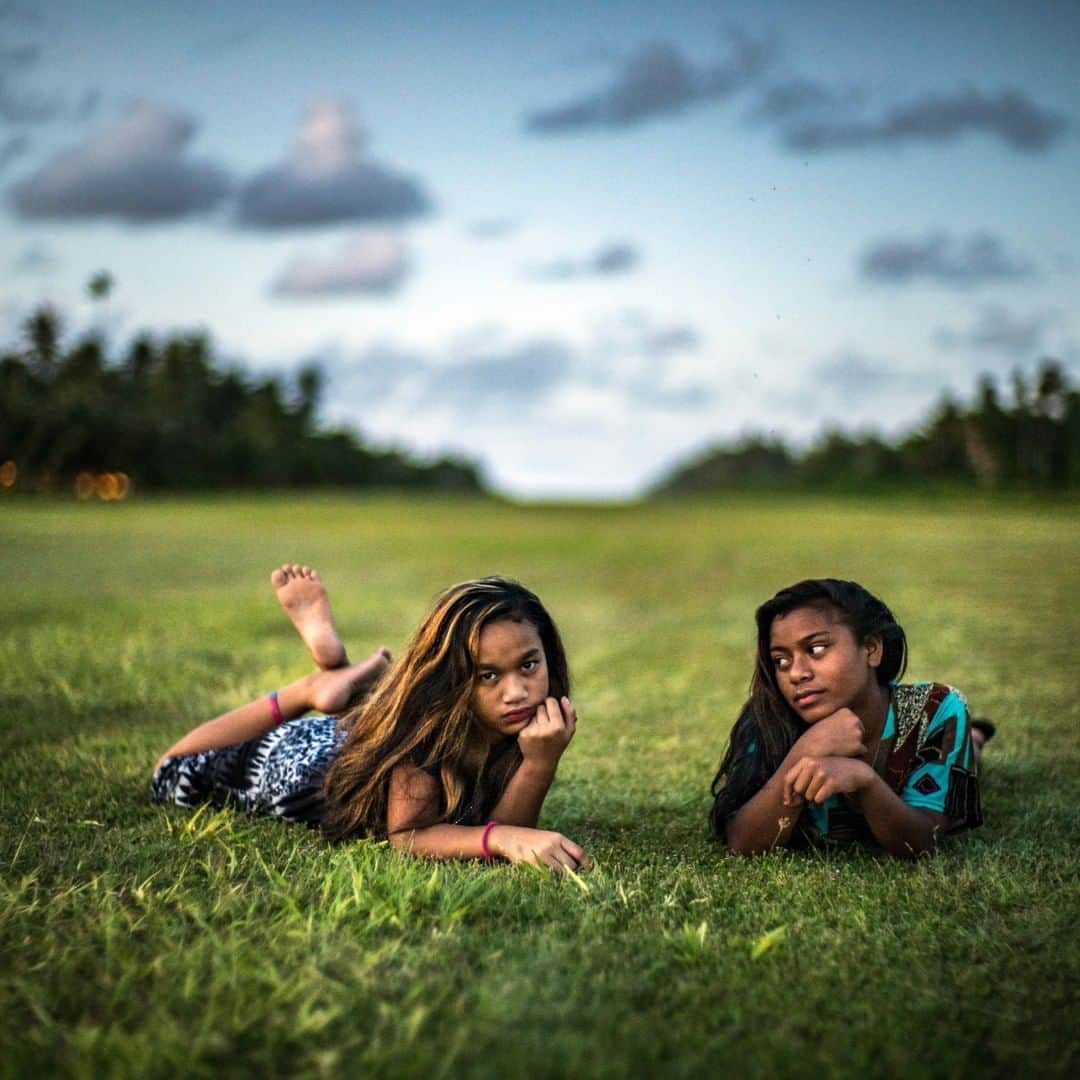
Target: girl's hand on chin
column 537, row 846
column 814, row 779
column 839, row 735
column 548, row 733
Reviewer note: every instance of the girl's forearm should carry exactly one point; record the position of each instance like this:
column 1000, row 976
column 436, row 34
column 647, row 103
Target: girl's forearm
column 763, row 822
column 441, row 841
column 246, row 722
column 521, row 802
column 902, row 830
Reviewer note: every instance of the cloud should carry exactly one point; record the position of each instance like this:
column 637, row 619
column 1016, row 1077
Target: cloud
column 136, row 170
column 657, row 80
column 814, row 117
column 615, row 258
column 488, row 375
column 368, row 263
column 996, row 329
column 326, row 181
column 527, row 372
column 545, row 414
column 633, row 333
column 940, row 257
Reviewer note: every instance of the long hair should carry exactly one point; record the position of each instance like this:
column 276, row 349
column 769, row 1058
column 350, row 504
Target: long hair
column 767, row 727
column 420, row 715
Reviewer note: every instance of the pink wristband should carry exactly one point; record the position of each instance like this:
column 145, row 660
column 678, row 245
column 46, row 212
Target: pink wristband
column 484, row 840
column 275, row 709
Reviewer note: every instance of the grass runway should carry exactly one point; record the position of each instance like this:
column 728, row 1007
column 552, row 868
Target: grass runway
column 144, row 941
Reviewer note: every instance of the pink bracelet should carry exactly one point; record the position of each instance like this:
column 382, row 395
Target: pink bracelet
column 485, row 850
column 275, row 709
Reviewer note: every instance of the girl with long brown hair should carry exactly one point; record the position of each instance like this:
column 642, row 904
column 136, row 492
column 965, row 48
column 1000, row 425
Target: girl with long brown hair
column 448, row 752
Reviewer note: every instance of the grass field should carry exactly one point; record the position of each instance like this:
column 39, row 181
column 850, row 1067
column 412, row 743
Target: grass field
column 143, row 941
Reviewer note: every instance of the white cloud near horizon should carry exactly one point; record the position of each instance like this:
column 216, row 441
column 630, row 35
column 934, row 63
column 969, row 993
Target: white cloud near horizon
column 368, row 263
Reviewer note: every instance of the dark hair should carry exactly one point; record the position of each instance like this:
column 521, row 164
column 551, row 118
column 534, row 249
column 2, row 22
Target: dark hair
column 767, row 726
column 420, row 715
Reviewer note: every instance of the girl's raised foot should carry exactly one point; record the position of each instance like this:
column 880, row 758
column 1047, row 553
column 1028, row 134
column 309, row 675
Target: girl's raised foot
column 335, row 690
column 301, row 593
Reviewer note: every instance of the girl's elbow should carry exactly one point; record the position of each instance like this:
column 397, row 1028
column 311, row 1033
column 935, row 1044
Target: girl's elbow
column 740, row 843
column 913, row 850
column 402, row 840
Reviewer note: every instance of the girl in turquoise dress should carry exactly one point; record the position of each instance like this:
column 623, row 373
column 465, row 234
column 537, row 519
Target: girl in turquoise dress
column 831, row 747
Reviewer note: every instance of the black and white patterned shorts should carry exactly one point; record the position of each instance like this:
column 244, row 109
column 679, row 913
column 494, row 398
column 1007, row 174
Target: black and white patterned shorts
column 279, row 774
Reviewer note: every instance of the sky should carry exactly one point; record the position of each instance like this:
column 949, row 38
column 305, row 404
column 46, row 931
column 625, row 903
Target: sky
column 578, row 243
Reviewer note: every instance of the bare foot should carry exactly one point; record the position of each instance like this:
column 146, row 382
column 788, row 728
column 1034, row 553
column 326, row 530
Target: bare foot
column 335, row 690
column 301, row 593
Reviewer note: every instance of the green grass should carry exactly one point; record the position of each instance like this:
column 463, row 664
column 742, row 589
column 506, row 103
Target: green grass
column 144, row 941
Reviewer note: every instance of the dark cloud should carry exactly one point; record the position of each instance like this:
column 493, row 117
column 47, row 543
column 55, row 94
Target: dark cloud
column 367, row 264
column 814, row 118
column 657, row 80
column 325, row 181
column 995, row 329
column 615, row 258
column 136, row 170
column 940, row 257
column 12, row 149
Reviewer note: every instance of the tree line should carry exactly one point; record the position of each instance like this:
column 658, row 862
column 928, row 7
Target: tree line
column 165, row 415
column 1028, row 440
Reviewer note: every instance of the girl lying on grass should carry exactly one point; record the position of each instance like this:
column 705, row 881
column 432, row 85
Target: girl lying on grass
column 449, row 752
column 831, row 747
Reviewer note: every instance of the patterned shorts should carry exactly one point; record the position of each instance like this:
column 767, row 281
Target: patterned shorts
column 279, row 774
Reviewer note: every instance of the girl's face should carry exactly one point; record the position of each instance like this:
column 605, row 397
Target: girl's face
column 511, row 678
column 820, row 666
